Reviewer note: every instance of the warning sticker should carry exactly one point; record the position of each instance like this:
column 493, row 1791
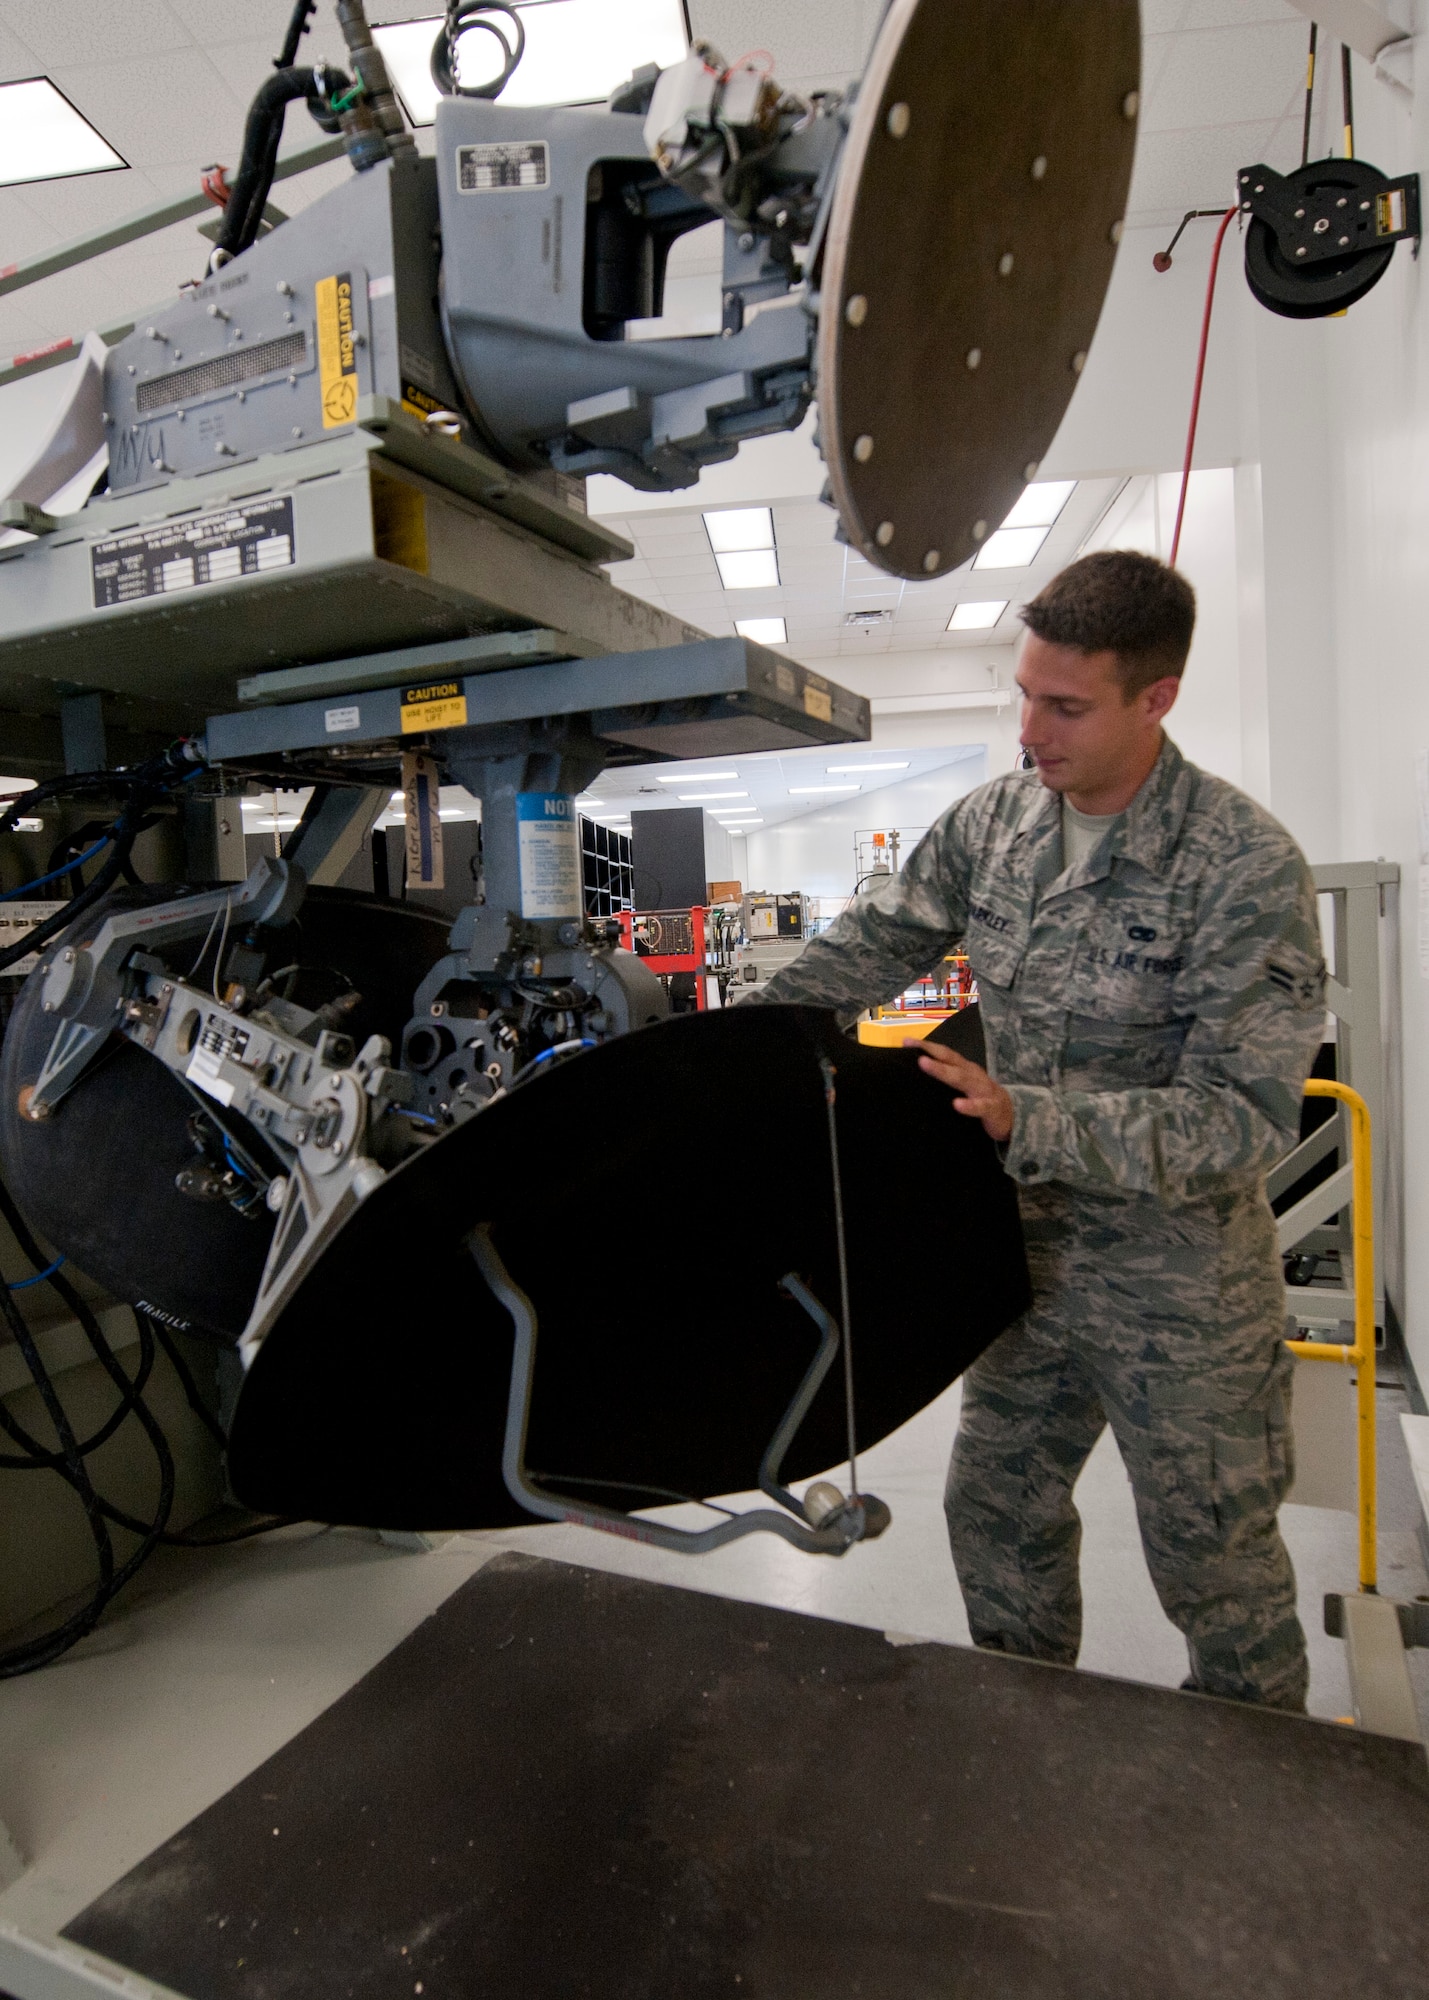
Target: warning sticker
column 16, row 921
column 819, row 703
column 511, row 164
column 248, row 540
column 550, row 857
column 337, row 350
column 441, row 705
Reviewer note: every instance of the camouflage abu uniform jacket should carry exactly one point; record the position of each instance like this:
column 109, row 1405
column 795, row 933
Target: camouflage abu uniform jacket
column 1153, row 1015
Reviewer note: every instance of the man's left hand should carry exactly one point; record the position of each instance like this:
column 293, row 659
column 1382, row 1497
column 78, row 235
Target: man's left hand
column 975, row 1094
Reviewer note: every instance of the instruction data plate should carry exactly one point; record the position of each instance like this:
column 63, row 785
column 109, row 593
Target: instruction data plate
column 240, row 541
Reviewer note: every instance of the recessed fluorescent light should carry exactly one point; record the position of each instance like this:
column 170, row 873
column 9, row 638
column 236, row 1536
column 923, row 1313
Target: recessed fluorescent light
column 752, row 569
column 43, row 137
column 589, row 805
column 739, row 528
column 972, row 617
column 730, row 818
column 796, row 790
column 693, row 798
column 1041, row 504
column 763, row 631
column 697, row 778
column 577, row 52
column 1010, row 548
column 747, row 824
column 834, row 770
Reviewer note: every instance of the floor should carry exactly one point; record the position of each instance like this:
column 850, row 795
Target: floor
column 209, row 1663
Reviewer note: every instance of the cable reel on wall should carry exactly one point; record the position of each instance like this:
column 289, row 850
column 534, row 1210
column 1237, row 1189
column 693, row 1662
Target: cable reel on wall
column 1322, row 237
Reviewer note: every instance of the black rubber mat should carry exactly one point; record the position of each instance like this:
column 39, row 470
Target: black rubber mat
column 648, row 1196
column 572, row 1784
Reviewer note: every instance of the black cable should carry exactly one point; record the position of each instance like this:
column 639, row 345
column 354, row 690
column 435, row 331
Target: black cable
column 262, row 135
column 186, row 1381
column 460, row 16
column 297, row 28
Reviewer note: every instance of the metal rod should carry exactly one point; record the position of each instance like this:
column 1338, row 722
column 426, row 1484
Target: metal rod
column 144, row 222
column 1349, row 100
column 1309, row 93
column 830, row 1099
column 1360, row 1357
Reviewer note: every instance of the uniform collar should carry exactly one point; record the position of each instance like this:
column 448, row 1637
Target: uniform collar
column 1152, row 823
column 1149, row 828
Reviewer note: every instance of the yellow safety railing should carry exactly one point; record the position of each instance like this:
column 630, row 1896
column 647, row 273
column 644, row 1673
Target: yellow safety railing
column 1360, row 1357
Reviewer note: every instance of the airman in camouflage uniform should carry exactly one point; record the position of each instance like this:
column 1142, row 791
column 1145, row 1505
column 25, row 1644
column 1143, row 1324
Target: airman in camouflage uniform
column 1152, row 1013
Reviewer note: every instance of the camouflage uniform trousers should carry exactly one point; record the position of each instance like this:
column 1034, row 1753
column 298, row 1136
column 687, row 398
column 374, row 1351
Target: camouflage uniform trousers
column 1170, row 1329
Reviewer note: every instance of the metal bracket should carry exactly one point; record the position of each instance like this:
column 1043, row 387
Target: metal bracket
column 848, row 1525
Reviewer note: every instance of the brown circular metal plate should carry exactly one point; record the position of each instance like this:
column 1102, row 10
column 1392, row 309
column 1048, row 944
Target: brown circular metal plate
column 971, row 241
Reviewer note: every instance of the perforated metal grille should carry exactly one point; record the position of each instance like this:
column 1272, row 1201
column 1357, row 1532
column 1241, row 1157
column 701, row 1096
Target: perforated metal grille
column 222, row 372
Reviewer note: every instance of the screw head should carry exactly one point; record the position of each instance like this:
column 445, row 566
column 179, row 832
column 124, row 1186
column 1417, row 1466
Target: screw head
column 932, row 560
column 746, row 241
column 1079, row 361
column 1260, row 187
column 863, row 448
column 1299, row 215
column 1039, row 166
column 1300, row 252
column 1364, row 204
column 1116, row 232
column 1004, row 264
column 1030, row 470
column 974, row 358
column 1131, row 104
column 1322, row 224
column 297, row 430
column 899, row 119
column 856, row 310
column 883, row 535
column 1343, row 241
column 1343, row 202
column 979, row 531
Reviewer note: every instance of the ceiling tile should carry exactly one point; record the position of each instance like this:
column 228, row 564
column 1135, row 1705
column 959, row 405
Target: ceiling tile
column 169, row 106
column 1227, row 76
column 97, row 31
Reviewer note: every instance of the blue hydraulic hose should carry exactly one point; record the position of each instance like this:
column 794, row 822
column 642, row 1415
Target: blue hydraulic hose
column 54, row 875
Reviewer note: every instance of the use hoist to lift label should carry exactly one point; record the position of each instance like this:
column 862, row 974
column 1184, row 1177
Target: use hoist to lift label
column 440, row 705
column 337, row 349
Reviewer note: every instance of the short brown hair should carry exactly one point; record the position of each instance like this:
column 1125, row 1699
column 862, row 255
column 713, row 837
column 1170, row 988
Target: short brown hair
column 1121, row 602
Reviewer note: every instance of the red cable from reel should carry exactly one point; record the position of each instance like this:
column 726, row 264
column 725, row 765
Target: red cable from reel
column 1226, row 221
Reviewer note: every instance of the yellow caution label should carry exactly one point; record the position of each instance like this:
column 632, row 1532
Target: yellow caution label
column 337, row 350
column 441, row 705
column 819, row 703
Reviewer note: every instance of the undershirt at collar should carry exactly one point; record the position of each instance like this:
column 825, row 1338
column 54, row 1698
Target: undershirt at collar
column 1081, row 833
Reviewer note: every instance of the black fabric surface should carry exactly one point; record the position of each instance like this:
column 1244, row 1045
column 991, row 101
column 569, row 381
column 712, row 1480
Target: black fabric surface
column 570, row 1784
column 648, row 1196
column 97, row 1178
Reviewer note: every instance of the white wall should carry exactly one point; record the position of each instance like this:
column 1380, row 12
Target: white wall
column 815, row 852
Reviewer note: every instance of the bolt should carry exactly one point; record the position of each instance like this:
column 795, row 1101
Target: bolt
column 297, row 430
column 287, row 319
column 47, row 1006
column 863, row 448
column 932, row 560
column 1343, row 241
column 856, row 311
column 216, row 311
column 1079, row 361
column 225, row 450
column 1300, row 252
column 1245, row 208
column 1260, row 187
column 899, row 119
column 979, row 530
column 746, row 241
column 243, row 395
column 1299, row 215
column 154, row 334
column 974, row 358
column 178, row 354
column 1343, row 202
column 67, row 956
column 1004, row 264
column 1114, row 234
column 884, row 534
column 1131, row 104
column 284, row 288
column 1039, row 166
column 129, row 365
column 1030, row 470
column 1364, row 204
column 1322, row 225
